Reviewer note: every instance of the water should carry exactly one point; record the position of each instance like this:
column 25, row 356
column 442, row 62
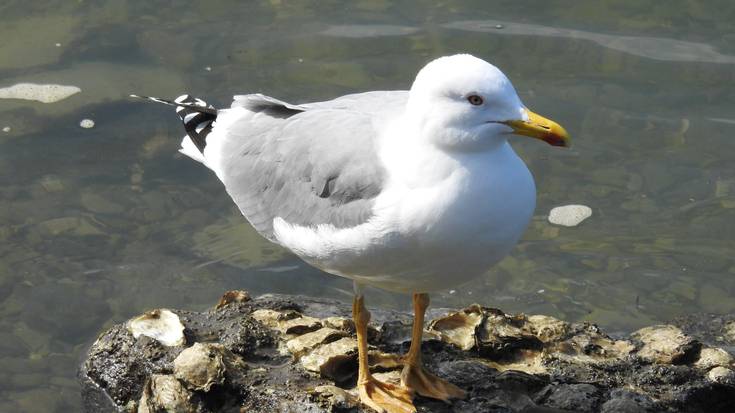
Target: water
column 100, row 224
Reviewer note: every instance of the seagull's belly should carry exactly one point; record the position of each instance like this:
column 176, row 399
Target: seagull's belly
column 451, row 234
column 431, row 237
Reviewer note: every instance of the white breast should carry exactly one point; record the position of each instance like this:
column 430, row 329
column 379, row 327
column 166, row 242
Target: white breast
column 433, row 232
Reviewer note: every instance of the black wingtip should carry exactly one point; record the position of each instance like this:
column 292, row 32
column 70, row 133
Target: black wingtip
column 184, row 101
column 195, row 113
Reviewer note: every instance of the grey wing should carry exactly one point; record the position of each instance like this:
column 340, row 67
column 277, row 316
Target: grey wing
column 317, row 166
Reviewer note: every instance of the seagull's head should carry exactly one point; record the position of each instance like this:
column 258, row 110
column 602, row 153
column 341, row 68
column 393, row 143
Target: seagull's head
column 463, row 103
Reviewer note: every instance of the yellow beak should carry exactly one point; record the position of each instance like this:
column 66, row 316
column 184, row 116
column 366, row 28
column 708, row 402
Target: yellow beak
column 539, row 127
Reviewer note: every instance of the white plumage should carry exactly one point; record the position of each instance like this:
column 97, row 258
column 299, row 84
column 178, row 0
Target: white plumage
column 453, row 196
column 410, row 191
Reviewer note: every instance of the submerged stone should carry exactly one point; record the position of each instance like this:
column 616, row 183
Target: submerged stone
column 569, row 215
column 47, row 93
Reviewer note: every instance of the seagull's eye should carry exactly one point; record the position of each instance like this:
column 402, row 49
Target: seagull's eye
column 475, row 100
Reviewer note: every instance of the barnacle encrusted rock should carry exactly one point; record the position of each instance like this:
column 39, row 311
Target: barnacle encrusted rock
column 164, row 393
column 233, row 296
column 305, row 342
column 458, row 328
column 335, row 360
column 547, row 329
column 714, row 357
column 201, row 366
column 287, row 322
column 161, row 324
column 722, row 375
column 666, row 344
column 283, row 353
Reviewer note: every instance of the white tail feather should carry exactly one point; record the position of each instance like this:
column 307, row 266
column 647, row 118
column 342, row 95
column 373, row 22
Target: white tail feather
column 189, row 149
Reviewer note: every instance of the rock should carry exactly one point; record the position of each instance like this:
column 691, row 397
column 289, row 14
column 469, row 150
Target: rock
column 569, row 215
column 98, row 204
column 269, row 318
column 722, row 375
column 200, row 366
column 574, row 397
column 713, row 357
column 335, row 396
column 164, row 393
column 501, row 336
column 729, row 331
column 625, row 401
column 289, row 322
column 666, row 344
column 77, row 226
column 305, row 342
column 299, row 325
column 547, row 329
column 334, row 361
column 339, row 323
column 42, row 93
column 162, row 325
column 278, row 353
column 459, row 328
column 233, row 296
column 398, row 332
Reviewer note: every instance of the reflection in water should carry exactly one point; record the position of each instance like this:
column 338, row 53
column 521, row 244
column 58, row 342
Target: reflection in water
column 657, row 48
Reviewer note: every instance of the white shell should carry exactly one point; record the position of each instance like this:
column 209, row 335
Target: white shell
column 569, row 215
column 161, row 325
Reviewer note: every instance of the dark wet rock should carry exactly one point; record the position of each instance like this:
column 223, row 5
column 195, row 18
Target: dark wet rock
column 624, row 401
column 284, row 353
column 578, row 397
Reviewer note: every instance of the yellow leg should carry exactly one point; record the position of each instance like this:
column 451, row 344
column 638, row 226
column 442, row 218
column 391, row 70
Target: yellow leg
column 381, row 397
column 414, row 376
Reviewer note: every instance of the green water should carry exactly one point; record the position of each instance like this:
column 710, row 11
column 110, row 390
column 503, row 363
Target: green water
column 101, row 224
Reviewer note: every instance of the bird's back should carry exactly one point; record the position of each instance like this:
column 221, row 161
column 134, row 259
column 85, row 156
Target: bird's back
column 311, row 164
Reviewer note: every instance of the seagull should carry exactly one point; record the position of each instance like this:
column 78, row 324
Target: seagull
column 409, row 191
